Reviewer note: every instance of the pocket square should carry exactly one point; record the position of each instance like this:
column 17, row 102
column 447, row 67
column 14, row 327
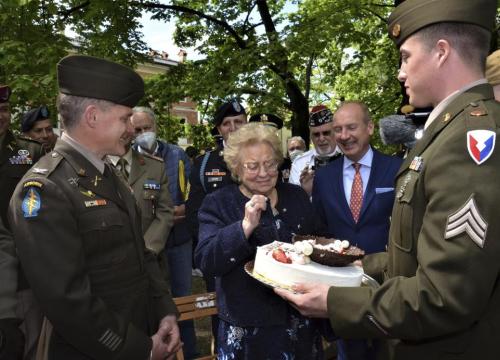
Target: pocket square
column 383, row 190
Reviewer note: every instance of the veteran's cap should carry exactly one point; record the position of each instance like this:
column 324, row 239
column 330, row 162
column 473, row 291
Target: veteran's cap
column 4, row 93
column 320, row 115
column 96, row 78
column 493, row 68
column 268, row 120
column 412, row 15
column 32, row 116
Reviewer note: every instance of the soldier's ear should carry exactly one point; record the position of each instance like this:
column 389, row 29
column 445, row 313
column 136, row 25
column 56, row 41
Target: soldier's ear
column 443, row 49
column 90, row 116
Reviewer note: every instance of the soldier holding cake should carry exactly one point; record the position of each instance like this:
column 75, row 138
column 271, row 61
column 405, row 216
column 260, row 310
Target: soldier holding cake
column 441, row 294
column 234, row 221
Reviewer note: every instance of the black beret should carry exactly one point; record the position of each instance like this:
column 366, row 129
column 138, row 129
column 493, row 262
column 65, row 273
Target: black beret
column 267, row 119
column 32, row 116
column 320, row 115
column 4, row 93
column 91, row 77
column 412, row 15
column 230, row 108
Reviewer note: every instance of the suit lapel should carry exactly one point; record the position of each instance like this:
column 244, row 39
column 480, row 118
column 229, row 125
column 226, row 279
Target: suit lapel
column 477, row 93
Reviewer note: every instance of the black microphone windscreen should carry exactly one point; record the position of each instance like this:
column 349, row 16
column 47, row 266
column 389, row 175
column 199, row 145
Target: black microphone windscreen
column 396, row 129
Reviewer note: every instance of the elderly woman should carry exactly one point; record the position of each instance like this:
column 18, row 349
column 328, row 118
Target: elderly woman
column 254, row 322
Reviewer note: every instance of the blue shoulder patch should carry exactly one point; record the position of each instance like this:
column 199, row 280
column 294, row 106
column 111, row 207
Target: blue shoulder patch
column 31, row 203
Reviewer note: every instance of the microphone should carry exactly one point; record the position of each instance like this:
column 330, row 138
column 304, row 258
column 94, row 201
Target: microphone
column 402, row 129
column 397, row 129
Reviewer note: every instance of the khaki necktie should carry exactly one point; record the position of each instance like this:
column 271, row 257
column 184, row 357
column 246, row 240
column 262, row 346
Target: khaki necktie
column 123, row 168
column 356, row 193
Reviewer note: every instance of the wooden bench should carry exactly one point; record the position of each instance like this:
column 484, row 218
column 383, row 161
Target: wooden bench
column 193, row 307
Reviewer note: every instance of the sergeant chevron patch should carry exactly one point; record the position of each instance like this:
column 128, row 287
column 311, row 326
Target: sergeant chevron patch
column 468, row 220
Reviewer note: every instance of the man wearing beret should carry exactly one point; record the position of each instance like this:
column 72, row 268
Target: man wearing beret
column 17, row 155
column 78, row 231
column 36, row 125
column 325, row 148
column 441, row 294
column 210, row 172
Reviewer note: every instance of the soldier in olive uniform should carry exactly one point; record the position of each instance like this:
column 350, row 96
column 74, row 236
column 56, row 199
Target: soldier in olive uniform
column 17, row 155
column 146, row 176
column 441, row 294
column 78, row 231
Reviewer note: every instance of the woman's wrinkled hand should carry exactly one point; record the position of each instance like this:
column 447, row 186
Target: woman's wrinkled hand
column 253, row 211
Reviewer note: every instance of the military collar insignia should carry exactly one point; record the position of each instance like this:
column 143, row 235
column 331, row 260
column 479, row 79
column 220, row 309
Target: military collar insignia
column 221, row 153
column 41, row 171
column 97, row 202
column 417, row 163
column 96, row 180
column 446, row 117
column 32, row 203
column 480, row 144
column 73, row 181
column 467, row 220
column 81, row 172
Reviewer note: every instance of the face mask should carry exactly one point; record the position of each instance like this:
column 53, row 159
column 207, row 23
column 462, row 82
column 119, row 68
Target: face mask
column 295, row 153
column 146, row 140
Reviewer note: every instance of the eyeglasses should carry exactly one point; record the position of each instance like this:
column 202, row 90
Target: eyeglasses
column 270, row 167
column 4, row 93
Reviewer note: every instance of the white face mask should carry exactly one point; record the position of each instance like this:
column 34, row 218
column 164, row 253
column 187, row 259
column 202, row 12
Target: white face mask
column 146, row 140
column 295, row 153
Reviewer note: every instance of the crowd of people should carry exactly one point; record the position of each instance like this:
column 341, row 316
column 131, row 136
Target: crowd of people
column 102, row 226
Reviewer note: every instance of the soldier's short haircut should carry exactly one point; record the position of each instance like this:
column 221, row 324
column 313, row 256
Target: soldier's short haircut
column 71, row 108
column 364, row 108
column 471, row 42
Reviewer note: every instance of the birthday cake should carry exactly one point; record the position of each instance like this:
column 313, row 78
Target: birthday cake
column 288, row 264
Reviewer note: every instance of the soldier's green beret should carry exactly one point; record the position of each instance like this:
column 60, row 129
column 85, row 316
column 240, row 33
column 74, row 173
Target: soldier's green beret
column 91, row 77
column 412, row 15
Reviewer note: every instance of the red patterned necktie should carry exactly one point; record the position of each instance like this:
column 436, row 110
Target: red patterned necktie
column 356, row 193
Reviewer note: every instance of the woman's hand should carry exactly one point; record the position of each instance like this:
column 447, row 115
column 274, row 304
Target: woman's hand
column 253, row 210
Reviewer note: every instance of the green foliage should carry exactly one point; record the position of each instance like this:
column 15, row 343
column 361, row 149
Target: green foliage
column 200, row 136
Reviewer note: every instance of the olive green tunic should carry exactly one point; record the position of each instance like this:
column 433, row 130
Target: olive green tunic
column 79, row 239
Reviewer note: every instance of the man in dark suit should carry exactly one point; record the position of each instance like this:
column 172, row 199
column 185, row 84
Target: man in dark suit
column 78, row 232
column 354, row 194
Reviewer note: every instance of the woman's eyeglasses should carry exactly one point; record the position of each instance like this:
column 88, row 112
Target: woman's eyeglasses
column 270, row 167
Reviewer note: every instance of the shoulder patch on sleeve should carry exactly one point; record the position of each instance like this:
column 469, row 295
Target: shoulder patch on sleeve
column 32, row 203
column 467, row 220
